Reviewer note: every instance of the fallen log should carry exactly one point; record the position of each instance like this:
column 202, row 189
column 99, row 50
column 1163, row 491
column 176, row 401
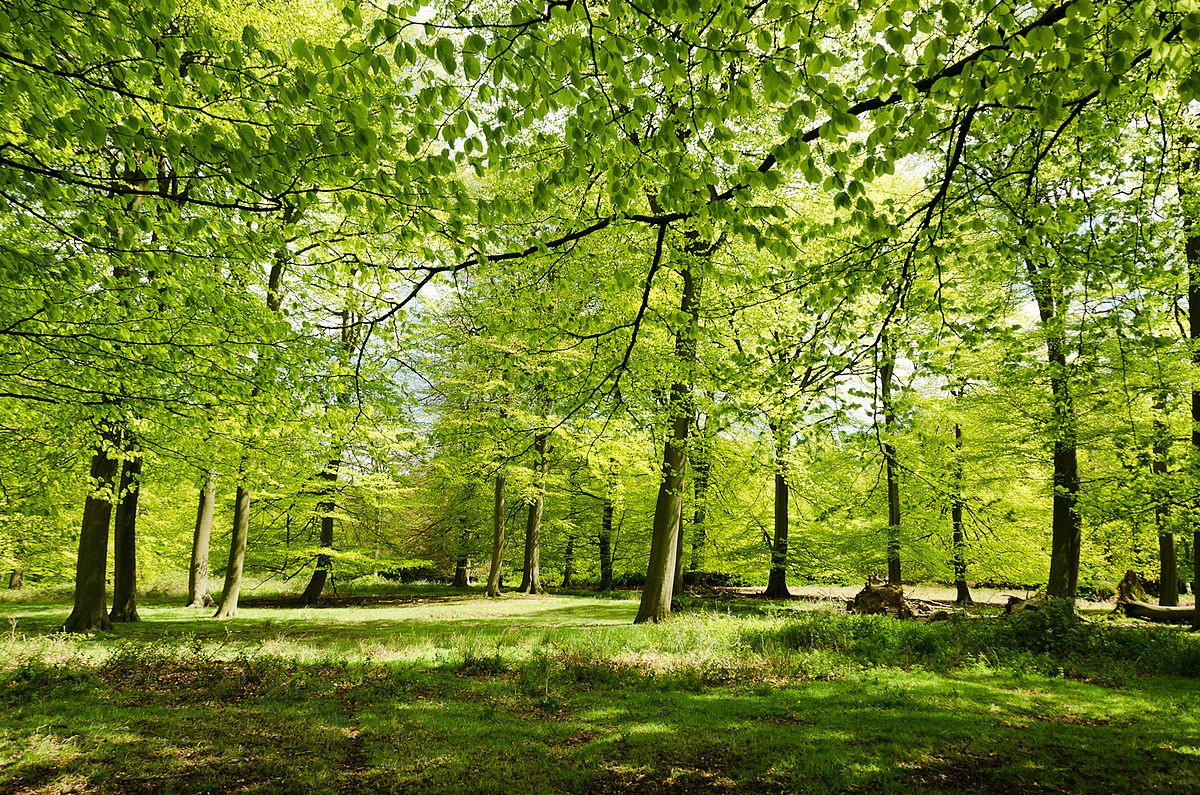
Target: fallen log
column 1158, row 613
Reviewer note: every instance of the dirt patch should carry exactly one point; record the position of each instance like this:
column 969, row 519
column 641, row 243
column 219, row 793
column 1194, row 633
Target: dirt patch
column 327, row 600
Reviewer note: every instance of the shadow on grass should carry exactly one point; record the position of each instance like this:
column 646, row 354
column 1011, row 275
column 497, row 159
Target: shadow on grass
column 374, row 728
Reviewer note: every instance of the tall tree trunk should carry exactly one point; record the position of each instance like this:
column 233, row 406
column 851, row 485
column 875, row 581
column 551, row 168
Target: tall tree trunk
column 1168, row 562
column 1066, row 532
column 125, row 542
column 655, row 604
column 531, row 577
column 887, row 368
column 237, row 553
column 701, row 464
column 656, row 593
column 327, row 506
column 462, row 566
column 493, row 587
column 239, row 536
column 16, row 578
column 959, row 542
column 569, row 563
column 605, row 539
column 198, row 595
column 677, row 576
column 1191, row 247
column 91, row 569
column 777, row 578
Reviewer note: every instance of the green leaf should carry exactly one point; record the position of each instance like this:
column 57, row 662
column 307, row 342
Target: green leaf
column 300, row 50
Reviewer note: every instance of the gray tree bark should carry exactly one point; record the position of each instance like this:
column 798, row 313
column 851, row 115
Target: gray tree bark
column 228, row 607
column 959, row 542
column 89, row 612
column 887, row 366
column 1191, row 248
column 701, row 466
column 237, row 554
column 531, row 576
column 327, row 505
column 124, row 606
column 198, row 594
column 655, row 604
column 1066, row 531
column 777, row 577
column 493, row 587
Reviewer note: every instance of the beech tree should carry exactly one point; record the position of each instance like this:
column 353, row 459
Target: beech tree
column 147, row 156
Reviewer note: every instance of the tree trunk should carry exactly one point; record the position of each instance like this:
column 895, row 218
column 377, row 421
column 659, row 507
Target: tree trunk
column 886, row 369
column 461, row 567
column 959, row 543
column 198, row 595
column 606, row 563
column 1168, row 571
column 237, row 553
column 701, row 465
column 1159, row 614
column 655, row 604
column 569, row 563
column 531, row 577
column 125, row 543
column 1066, row 532
column 328, row 505
column 1191, row 249
column 16, row 578
column 316, row 584
column 240, row 533
column 1168, row 563
column 89, row 612
column 677, row 576
column 493, row 588
column 777, row 578
column 656, row 593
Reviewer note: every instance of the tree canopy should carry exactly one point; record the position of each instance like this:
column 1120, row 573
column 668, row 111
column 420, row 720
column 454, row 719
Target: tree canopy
column 376, row 264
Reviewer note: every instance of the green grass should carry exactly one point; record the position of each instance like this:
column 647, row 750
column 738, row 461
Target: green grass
column 563, row 694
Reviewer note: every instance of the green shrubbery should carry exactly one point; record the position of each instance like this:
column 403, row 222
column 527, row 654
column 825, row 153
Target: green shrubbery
column 1052, row 640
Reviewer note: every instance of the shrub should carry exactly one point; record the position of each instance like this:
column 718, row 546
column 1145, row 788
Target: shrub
column 1049, row 640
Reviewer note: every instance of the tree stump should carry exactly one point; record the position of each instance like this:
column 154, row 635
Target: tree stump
column 1130, row 588
column 883, row 600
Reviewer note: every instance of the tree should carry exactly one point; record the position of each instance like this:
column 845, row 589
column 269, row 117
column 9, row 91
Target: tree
column 198, row 593
column 125, row 539
column 886, row 366
column 531, row 577
column 89, row 612
column 655, row 603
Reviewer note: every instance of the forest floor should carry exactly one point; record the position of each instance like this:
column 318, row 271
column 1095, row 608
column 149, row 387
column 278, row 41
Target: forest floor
column 441, row 691
column 995, row 597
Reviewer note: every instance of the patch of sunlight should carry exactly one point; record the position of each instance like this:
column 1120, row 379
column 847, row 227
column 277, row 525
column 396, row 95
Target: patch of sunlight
column 649, row 728
column 605, row 715
column 46, row 746
column 832, row 735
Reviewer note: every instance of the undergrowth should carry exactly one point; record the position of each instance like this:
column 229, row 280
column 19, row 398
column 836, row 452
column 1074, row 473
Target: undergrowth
column 1051, row 641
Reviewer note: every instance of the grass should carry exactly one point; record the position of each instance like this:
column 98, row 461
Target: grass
column 457, row 693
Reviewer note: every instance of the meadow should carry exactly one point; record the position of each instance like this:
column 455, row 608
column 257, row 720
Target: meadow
column 434, row 690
